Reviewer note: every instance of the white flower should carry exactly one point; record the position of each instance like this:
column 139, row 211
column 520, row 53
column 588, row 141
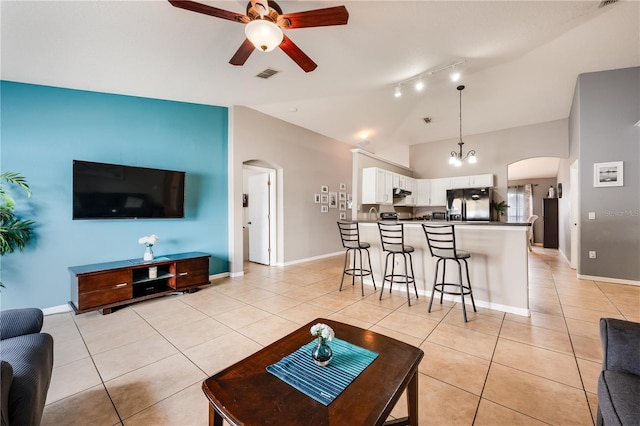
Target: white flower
column 323, row 330
column 149, row 240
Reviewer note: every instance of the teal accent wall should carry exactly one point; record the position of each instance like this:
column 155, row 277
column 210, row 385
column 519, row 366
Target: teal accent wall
column 43, row 129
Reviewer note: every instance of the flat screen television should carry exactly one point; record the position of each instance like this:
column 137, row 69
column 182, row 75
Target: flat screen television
column 112, row 191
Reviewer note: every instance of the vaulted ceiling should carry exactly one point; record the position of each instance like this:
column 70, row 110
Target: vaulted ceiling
column 520, row 60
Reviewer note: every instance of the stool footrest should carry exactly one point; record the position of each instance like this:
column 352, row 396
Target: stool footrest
column 357, row 272
column 399, row 279
column 440, row 288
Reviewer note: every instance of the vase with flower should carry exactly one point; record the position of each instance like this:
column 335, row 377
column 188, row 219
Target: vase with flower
column 322, row 351
column 148, row 241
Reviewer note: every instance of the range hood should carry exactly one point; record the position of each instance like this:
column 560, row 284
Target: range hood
column 400, row 193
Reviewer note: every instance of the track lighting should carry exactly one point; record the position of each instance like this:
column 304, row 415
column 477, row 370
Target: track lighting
column 419, row 83
column 455, row 75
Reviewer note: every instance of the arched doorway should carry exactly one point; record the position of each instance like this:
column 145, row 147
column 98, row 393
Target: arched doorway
column 260, row 212
column 528, row 183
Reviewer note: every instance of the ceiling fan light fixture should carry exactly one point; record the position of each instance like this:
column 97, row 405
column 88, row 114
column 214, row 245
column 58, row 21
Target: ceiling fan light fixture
column 398, row 91
column 263, row 34
column 419, row 84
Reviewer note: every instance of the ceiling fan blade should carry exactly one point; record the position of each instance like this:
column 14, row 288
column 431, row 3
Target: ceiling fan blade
column 243, row 53
column 209, row 10
column 337, row 15
column 298, row 56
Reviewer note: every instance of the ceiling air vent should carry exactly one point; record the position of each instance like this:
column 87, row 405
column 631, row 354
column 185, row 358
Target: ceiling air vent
column 604, row 3
column 268, row 73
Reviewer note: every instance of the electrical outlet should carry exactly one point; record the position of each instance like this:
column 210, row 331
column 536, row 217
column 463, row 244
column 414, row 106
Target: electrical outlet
column 592, row 215
column 592, row 254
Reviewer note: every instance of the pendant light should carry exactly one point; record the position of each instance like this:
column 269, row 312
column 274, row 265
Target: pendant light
column 457, row 158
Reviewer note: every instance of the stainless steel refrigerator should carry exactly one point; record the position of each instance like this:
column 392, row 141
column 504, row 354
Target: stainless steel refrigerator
column 471, row 204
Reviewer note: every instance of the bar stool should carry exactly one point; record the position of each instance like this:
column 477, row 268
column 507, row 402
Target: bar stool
column 350, row 235
column 392, row 238
column 442, row 244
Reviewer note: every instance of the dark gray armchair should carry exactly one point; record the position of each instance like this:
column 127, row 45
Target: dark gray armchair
column 26, row 358
column 619, row 382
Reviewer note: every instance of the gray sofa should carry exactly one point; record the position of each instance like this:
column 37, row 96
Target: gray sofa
column 27, row 362
column 619, row 382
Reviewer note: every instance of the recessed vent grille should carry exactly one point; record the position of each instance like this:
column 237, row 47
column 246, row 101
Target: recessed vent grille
column 604, row 3
column 268, row 73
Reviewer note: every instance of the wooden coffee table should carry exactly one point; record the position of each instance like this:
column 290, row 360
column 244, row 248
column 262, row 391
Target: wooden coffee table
column 246, row 394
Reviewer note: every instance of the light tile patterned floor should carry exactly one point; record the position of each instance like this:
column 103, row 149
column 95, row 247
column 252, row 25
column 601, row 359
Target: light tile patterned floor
column 144, row 364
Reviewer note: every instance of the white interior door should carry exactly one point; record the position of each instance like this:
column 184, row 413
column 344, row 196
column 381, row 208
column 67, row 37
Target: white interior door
column 574, row 214
column 258, row 220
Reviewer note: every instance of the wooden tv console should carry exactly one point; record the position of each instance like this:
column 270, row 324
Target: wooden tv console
column 104, row 286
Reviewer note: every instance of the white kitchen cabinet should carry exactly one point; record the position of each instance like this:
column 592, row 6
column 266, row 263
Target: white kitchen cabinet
column 460, row 182
column 474, row 181
column 423, row 192
column 438, row 195
column 481, row 181
column 409, row 184
column 377, row 186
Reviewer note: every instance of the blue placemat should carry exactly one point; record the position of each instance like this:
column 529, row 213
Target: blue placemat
column 323, row 384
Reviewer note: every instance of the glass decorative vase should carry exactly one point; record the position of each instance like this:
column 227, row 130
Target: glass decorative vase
column 148, row 254
column 322, row 352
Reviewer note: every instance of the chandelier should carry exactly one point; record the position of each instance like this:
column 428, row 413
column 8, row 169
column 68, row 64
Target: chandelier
column 457, row 158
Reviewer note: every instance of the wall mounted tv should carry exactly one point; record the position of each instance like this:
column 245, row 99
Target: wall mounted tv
column 112, row 191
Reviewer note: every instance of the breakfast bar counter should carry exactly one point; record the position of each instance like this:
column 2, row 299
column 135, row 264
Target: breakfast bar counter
column 498, row 267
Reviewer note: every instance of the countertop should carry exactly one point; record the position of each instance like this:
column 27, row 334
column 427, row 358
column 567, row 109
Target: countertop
column 444, row 222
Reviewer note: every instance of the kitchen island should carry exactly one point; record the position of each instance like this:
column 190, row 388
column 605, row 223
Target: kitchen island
column 498, row 267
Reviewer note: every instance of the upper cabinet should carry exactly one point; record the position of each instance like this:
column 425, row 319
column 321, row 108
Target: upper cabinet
column 408, row 184
column 432, row 192
column 476, row 181
column 377, row 186
column 423, row 192
column 438, row 196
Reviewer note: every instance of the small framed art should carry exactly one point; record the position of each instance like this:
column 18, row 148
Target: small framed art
column 608, row 174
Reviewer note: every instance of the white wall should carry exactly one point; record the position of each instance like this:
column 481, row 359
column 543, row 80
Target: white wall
column 305, row 161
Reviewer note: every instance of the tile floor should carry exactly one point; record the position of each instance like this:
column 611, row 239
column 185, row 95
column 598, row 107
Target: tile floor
column 144, row 364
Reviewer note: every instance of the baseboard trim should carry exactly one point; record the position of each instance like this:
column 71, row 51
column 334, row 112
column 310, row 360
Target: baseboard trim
column 481, row 303
column 60, row 309
column 309, row 259
column 218, row 276
column 608, row 280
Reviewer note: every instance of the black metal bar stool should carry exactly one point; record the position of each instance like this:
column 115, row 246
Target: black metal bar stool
column 392, row 238
column 442, row 244
column 350, row 234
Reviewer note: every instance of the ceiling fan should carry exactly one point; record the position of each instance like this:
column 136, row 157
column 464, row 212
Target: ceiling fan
column 264, row 24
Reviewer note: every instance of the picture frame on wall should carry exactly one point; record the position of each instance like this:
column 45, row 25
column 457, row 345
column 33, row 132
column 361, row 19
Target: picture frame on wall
column 316, row 198
column 342, row 205
column 343, row 216
column 324, row 198
column 324, row 209
column 343, row 187
column 608, row 174
column 324, row 189
column 342, row 196
column 333, row 200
